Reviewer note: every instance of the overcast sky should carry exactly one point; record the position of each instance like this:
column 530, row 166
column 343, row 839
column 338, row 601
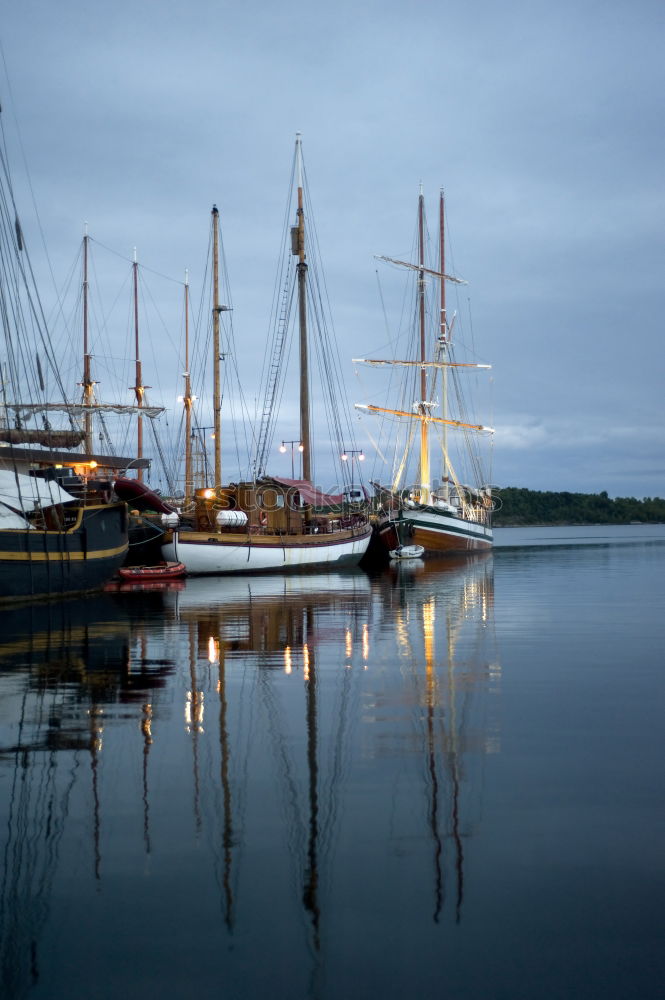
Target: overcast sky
column 542, row 121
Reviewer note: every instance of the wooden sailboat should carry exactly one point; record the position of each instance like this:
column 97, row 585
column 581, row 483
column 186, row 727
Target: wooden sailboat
column 266, row 522
column 453, row 517
column 59, row 534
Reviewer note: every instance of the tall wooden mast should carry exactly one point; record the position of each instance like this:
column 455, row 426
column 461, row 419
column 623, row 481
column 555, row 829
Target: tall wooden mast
column 216, row 309
column 88, row 384
column 139, row 388
column 188, row 401
column 305, row 437
column 443, row 348
column 424, row 409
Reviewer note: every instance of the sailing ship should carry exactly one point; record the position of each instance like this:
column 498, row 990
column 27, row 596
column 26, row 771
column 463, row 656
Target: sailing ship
column 59, row 532
column 267, row 522
column 452, row 516
column 145, row 532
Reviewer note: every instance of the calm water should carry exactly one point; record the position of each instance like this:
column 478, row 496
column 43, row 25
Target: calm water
column 440, row 782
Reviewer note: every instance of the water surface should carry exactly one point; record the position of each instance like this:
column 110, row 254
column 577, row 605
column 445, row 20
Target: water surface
column 444, row 780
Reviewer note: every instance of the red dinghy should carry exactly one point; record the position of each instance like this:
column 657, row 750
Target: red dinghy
column 161, row 571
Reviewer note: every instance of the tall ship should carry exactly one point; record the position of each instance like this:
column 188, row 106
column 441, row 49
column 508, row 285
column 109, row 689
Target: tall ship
column 60, row 533
column 267, row 522
column 452, row 514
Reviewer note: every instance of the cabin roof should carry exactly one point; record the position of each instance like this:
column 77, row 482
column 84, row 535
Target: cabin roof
column 43, row 457
column 309, row 493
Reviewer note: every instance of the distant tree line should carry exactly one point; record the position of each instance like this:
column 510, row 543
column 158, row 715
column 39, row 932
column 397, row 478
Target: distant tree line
column 520, row 506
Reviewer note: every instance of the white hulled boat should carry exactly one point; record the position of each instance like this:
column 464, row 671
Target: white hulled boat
column 267, row 523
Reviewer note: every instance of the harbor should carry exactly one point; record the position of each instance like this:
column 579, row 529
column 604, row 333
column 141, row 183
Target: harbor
column 293, row 771
column 332, row 509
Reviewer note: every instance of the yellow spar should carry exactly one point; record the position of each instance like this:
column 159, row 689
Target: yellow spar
column 423, row 416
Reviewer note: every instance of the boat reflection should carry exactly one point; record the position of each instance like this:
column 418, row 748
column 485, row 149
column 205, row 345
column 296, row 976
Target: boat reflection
column 444, row 627
column 264, row 615
column 294, row 743
column 66, row 669
column 276, row 624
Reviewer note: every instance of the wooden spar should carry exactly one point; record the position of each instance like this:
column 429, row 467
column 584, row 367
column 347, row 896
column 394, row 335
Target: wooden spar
column 417, row 364
column 425, row 270
column 187, row 401
column 216, row 309
column 424, row 429
column 425, row 417
column 305, row 437
column 139, row 388
column 87, row 381
column 443, row 345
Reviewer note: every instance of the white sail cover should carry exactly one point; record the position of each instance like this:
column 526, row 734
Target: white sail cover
column 10, row 519
column 26, row 493
column 79, row 409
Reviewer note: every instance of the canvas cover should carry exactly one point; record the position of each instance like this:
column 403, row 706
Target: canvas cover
column 27, row 493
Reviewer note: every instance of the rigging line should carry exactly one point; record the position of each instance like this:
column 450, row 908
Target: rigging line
column 36, row 312
column 330, row 375
column 146, row 290
column 16, row 253
column 284, row 264
column 162, row 459
column 128, row 260
column 328, row 328
column 201, row 341
column 383, row 304
column 63, row 296
column 339, row 758
column 377, row 448
column 101, row 318
column 271, row 411
column 26, row 169
column 399, row 472
column 104, row 431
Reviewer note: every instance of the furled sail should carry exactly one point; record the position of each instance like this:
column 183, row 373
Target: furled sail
column 79, row 409
column 47, row 438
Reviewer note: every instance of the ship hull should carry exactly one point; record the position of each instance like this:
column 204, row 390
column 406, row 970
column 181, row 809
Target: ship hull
column 39, row 564
column 437, row 531
column 206, row 554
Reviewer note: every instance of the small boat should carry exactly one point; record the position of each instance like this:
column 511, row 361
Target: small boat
column 160, row 571
column 407, row 552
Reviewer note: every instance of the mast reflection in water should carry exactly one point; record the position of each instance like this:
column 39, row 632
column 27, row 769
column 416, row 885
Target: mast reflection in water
column 291, row 763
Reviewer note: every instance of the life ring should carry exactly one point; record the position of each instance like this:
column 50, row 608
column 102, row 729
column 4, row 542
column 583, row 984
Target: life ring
column 263, row 518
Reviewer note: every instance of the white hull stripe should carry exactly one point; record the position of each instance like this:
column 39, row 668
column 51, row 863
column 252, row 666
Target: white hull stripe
column 447, row 525
column 226, row 557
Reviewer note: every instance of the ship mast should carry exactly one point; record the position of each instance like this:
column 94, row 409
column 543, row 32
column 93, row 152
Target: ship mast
column 139, row 388
column 187, row 401
column 443, row 349
column 299, row 249
column 216, row 309
column 424, row 429
column 87, row 383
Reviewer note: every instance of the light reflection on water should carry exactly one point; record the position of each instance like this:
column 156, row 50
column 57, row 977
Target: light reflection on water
column 315, row 785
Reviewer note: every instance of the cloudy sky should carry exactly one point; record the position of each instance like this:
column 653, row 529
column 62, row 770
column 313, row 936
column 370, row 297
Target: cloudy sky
column 544, row 123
